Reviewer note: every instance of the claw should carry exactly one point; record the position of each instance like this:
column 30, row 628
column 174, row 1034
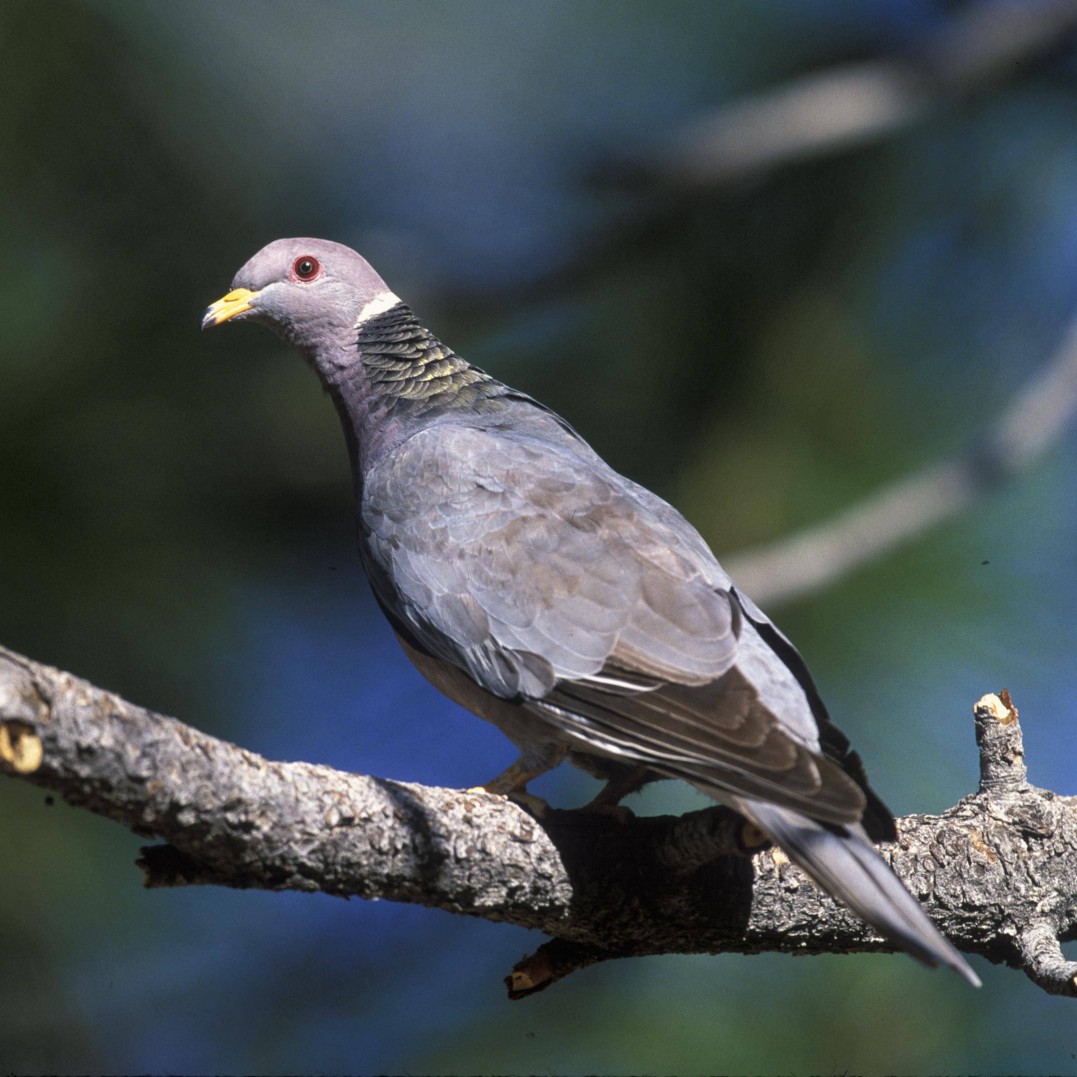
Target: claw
column 531, row 803
column 512, row 783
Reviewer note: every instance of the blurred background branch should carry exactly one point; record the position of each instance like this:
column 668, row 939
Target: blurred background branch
column 824, row 113
column 804, row 563
column 828, row 111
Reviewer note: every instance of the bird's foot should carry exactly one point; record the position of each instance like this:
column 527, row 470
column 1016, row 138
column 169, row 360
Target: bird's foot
column 531, row 803
column 513, row 779
column 512, row 784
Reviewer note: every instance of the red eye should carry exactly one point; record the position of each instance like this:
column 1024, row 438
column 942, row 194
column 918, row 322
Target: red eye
column 306, row 268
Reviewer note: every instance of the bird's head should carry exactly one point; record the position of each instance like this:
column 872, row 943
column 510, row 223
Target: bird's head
column 312, row 292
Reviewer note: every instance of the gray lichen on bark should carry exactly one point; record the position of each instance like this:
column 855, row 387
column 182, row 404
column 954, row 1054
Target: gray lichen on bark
column 998, row 871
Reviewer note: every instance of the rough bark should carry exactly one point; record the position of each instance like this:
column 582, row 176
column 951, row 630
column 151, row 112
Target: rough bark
column 998, row 871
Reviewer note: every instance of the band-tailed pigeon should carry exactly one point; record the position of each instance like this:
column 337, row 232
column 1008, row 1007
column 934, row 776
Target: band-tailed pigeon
column 576, row 611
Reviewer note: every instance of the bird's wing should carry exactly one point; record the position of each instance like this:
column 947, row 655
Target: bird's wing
column 554, row 582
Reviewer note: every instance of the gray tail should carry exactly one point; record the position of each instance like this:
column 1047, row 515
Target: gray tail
column 849, row 868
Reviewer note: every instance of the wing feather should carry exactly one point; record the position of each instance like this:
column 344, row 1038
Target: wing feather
column 559, row 585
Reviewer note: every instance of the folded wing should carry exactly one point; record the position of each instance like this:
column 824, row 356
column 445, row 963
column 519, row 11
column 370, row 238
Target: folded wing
column 556, row 583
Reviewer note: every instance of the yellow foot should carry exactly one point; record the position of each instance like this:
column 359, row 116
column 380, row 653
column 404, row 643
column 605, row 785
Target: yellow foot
column 528, row 801
column 512, row 783
column 512, row 780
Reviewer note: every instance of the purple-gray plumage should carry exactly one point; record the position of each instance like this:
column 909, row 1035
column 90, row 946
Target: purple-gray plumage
column 573, row 609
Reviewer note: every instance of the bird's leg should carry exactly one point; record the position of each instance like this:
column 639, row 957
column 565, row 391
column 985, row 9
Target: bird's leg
column 621, row 780
column 512, row 782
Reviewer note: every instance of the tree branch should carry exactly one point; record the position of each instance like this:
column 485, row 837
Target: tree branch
column 851, row 104
column 997, row 872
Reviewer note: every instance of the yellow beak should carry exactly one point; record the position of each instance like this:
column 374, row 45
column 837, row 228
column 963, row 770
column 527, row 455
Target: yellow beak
column 228, row 307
